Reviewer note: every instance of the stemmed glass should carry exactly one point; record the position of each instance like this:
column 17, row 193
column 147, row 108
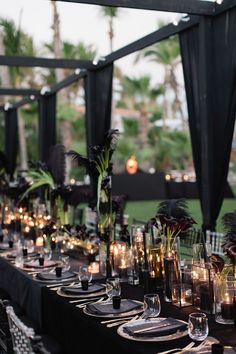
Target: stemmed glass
column 152, row 306
column 113, row 287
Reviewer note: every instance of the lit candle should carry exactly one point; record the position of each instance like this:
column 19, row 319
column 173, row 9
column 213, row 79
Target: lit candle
column 94, row 267
column 39, row 241
column 227, row 308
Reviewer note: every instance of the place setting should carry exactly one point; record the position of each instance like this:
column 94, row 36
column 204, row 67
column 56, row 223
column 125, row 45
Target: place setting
column 83, row 289
column 114, row 306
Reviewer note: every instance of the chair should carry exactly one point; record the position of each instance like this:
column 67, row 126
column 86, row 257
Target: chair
column 216, row 239
column 187, row 239
column 24, row 340
column 5, row 335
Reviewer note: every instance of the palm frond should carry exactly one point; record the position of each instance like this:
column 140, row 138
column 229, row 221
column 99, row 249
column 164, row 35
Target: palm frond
column 81, row 160
column 176, row 208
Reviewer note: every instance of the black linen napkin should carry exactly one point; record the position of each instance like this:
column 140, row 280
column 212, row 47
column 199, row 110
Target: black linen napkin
column 162, row 328
column 72, row 290
column 107, row 308
column 52, row 276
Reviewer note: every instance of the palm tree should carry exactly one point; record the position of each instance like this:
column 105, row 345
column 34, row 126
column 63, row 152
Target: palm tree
column 138, row 94
column 167, row 53
column 17, row 42
column 110, row 13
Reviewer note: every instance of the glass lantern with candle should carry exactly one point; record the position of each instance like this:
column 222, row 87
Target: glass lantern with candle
column 203, row 296
column 225, row 297
column 182, row 290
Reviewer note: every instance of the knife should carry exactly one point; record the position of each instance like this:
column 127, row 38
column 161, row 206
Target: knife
column 153, row 327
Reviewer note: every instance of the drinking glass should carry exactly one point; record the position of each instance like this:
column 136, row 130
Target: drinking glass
column 113, row 287
column 152, row 306
column 65, row 263
column 198, row 326
column 84, row 273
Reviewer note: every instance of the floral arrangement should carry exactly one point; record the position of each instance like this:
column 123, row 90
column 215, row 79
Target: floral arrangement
column 51, row 176
column 173, row 219
column 229, row 245
column 99, row 167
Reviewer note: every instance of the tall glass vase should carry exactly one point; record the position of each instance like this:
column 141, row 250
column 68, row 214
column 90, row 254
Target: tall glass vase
column 171, row 265
column 104, row 219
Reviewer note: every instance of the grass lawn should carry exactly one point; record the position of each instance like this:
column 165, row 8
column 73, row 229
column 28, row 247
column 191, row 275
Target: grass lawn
column 144, row 210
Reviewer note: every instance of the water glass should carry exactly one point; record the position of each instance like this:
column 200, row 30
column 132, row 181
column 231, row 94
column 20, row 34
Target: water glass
column 152, row 306
column 198, row 326
column 113, row 287
column 65, row 263
column 84, row 273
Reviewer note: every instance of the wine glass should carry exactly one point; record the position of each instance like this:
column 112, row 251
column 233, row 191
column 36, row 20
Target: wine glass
column 198, row 326
column 113, row 287
column 152, row 306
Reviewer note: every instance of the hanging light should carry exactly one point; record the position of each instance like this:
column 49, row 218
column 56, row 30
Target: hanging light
column 132, row 165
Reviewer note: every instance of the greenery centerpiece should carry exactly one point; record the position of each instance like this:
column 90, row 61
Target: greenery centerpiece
column 99, row 167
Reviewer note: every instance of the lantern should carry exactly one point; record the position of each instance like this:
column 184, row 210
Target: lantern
column 132, row 165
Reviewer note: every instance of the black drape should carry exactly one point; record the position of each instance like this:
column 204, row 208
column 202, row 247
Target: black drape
column 47, row 124
column 209, row 62
column 98, row 96
column 11, row 139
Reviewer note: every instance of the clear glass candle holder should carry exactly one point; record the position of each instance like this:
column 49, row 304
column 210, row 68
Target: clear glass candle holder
column 225, row 299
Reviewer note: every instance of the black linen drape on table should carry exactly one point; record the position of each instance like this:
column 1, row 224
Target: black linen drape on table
column 209, row 63
column 47, row 124
column 11, row 139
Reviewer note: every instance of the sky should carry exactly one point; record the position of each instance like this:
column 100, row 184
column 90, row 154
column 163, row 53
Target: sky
column 82, row 22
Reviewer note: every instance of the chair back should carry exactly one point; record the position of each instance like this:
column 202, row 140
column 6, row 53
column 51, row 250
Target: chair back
column 5, row 335
column 21, row 334
column 216, row 239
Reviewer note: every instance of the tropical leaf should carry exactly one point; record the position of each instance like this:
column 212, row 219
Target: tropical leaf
column 40, row 178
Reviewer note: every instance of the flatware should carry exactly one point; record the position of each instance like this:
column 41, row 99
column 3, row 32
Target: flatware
column 89, row 302
column 84, row 299
column 159, row 325
column 190, row 345
column 115, row 320
column 121, row 322
column 205, row 343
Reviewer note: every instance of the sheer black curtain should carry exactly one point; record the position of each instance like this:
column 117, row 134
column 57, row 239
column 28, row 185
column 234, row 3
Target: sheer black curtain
column 47, row 124
column 98, row 97
column 11, row 139
column 209, row 62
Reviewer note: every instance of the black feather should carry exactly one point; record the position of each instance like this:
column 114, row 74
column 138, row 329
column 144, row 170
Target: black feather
column 229, row 222
column 176, row 208
column 81, row 160
column 57, row 163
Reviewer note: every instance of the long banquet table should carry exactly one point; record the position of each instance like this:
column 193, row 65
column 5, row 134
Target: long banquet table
column 73, row 329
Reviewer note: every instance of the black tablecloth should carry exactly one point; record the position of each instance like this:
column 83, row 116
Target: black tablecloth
column 73, row 329
column 69, row 324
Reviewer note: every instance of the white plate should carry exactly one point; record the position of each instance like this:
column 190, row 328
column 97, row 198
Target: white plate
column 117, row 315
column 178, row 334
column 83, row 296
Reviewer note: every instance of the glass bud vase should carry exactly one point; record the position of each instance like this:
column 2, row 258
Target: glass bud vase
column 171, row 265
